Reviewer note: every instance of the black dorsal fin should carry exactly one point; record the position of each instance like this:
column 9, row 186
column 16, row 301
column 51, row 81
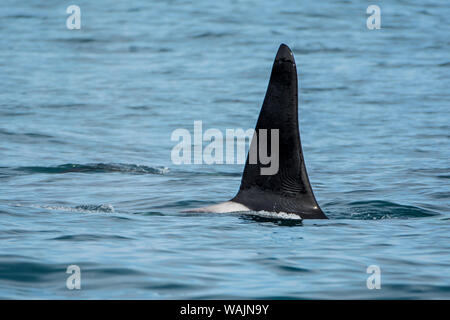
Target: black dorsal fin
column 288, row 190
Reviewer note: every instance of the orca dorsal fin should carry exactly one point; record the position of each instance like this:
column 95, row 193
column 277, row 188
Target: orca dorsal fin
column 288, row 190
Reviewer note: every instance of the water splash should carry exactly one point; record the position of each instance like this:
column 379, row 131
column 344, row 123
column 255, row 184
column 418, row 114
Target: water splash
column 89, row 208
column 277, row 215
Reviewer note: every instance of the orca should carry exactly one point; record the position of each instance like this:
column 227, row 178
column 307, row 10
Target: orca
column 289, row 189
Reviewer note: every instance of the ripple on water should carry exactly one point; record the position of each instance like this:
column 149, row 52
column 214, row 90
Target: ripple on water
column 89, row 208
column 379, row 209
column 90, row 237
column 26, row 271
column 96, row 168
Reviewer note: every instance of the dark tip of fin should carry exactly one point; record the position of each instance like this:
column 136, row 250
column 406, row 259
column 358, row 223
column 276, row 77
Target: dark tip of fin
column 285, row 54
column 288, row 189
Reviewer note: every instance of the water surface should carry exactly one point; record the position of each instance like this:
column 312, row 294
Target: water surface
column 86, row 176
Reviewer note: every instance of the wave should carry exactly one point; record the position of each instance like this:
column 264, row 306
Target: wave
column 87, row 208
column 26, row 134
column 212, row 35
column 95, row 168
column 378, row 209
column 76, row 40
column 21, row 16
column 90, row 237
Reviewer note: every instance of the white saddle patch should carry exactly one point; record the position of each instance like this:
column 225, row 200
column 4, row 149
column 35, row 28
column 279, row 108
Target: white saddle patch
column 223, row 207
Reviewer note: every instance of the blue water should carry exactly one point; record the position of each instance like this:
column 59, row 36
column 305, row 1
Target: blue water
column 86, row 176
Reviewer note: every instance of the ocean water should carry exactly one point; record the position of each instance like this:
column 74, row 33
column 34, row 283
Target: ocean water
column 86, row 176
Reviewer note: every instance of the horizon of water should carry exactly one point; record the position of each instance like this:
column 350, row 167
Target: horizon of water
column 86, row 176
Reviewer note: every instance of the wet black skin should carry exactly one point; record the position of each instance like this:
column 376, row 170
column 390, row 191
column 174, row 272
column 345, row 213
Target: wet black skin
column 289, row 189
